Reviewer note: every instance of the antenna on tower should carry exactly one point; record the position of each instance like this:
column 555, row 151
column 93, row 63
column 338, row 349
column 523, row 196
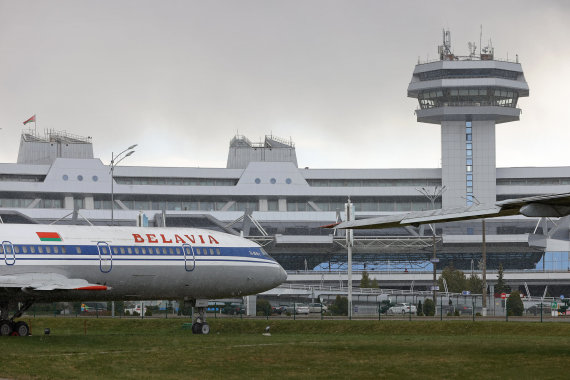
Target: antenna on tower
column 445, row 49
column 480, row 39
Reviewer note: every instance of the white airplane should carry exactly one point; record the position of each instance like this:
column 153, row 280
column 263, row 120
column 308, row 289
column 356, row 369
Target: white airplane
column 49, row 263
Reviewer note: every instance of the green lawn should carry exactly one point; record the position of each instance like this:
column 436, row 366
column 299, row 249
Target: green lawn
column 160, row 348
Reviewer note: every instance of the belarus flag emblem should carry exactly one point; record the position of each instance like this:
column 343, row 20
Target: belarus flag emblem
column 30, row 120
column 49, row 236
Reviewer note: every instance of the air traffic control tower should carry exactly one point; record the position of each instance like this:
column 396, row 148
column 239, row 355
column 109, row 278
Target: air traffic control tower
column 467, row 96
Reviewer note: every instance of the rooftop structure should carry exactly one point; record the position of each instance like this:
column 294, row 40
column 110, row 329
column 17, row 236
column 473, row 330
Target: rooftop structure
column 272, row 149
column 44, row 149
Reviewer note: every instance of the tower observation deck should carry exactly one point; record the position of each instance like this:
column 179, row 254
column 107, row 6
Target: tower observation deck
column 467, row 96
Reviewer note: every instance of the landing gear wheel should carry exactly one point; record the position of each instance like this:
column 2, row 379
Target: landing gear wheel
column 196, row 328
column 5, row 328
column 205, row 329
column 22, row 328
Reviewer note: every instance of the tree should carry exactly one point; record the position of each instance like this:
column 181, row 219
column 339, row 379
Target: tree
column 374, row 284
column 515, row 305
column 365, row 280
column 340, row 306
column 501, row 287
column 454, row 278
column 475, row 284
column 420, row 309
column 429, row 307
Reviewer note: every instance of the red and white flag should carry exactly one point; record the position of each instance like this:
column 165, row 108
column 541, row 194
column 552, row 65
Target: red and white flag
column 30, row 120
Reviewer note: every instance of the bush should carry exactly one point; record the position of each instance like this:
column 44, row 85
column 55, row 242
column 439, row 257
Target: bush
column 456, row 313
column 420, row 309
column 263, row 306
column 385, row 305
column 429, row 307
column 148, row 313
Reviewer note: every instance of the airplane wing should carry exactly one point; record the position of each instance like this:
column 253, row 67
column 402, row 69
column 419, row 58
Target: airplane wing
column 555, row 205
column 46, row 282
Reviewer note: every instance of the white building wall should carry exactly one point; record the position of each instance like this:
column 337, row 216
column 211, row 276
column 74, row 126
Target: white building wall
column 453, row 163
column 484, row 162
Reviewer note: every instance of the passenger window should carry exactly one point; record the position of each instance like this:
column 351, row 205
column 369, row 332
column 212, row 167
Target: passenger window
column 115, row 250
column 171, row 251
column 178, row 250
column 48, row 249
column 32, row 249
column 137, row 250
column 24, row 249
column 56, row 249
column 8, row 249
column 217, row 251
column 197, row 250
column 143, row 250
column 77, row 249
column 63, row 249
column 103, row 249
column 212, row 251
column 1, row 249
column 40, row 249
column 122, row 250
column 129, row 250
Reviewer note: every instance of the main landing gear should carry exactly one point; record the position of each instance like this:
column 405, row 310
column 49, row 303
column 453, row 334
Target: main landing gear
column 10, row 327
column 199, row 325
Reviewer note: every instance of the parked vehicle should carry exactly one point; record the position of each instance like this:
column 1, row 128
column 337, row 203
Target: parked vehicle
column 402, row 308
column 317, row 308
column 233, row 309
column 300, row 308
column 279, row 309
column 464, row 310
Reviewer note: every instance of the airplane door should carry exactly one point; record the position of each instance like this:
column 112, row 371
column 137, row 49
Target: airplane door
column 189, row 257
column 9, row 254
column 105, row 257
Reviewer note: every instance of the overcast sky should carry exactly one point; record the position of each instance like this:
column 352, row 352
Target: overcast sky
column 181, row 78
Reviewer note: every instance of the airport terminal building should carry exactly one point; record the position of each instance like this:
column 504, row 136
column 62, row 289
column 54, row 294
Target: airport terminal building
column 263, row 194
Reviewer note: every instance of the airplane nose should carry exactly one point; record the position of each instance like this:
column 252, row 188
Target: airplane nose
column 282, row 275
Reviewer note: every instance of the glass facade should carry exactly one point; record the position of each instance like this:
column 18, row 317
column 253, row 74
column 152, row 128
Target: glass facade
column 468, row 163
column 372, row 182
column 176, row 181
column 469, row 96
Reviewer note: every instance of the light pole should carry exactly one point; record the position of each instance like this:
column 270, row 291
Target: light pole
column 483, row 261
column 432, row 194
column 115, row 160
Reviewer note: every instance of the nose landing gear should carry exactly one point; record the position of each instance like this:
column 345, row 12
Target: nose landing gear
column 9, row 326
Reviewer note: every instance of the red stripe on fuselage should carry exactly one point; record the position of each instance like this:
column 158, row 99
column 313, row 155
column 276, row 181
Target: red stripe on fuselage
column 93, row 287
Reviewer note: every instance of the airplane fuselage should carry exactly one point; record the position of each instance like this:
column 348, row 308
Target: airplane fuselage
column 132, row 263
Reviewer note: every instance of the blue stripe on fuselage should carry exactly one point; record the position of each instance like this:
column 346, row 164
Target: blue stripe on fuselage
column 122, row 252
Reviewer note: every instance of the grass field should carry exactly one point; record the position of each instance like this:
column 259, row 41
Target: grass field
column 160, row 348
